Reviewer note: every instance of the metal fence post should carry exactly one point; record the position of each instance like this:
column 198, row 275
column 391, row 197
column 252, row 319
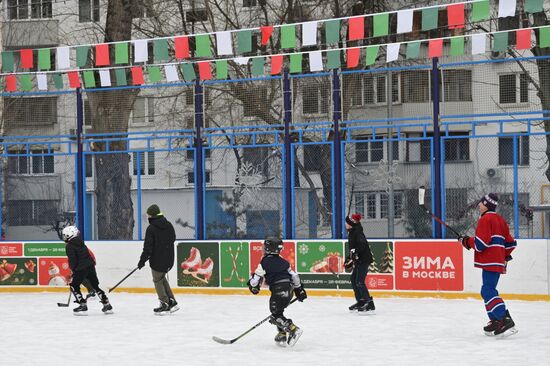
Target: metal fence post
column 80, row 181
column 436, row 199
column 287, row 176
column 200, row 231
column 337, row 164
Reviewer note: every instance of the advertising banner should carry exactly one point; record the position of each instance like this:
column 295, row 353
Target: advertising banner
column 18, row 271
column 11, row 249
column 257, row 253
column 235, row 269
column 429, row 265
column 381, row 270
column 198, row 264
column 45, row 249
column 321, row 263
column 54, row 272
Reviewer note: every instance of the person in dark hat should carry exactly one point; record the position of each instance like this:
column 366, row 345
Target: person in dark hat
column 359, row 258
column 493, row 247
column 158, row 249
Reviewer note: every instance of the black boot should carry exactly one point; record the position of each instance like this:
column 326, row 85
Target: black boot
column 356, row 306
column 163, row 309
column 293, row 334
column 490, row 328
column 367, row 307
column 82, row 309
column 173, row 304
column 506, row 327
column 280, row 338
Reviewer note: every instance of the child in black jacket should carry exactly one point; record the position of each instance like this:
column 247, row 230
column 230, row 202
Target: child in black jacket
column 282, row 281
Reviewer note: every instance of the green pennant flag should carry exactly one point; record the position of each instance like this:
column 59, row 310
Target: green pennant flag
column 544, row 37
column 58, row 80
column 160, row 50
column 295, row 62
column 500, row 41
column 82, row 56
column 203, row 48
column 372, row 54
column 333, row 59
column 25, row 82
column 413, row 50
column 221, row 69
column 332, row 31
column 154, row 74
column 121, row 53
column 429, row 18
column 89, row 79
column 244, row 41
column 534, row 6
column 188, row 71
column 44, row 59
column 257, row 66
column 457, row 46
column 288, row 36
column 381, row 25
column 7, row 61
column 120, row 75
column 480, row 11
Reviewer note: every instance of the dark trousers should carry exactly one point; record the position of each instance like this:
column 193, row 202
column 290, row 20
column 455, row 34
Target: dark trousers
column 164, row 292
column 358, row 276
column 494, row 305
column 90, row 275
column 281, row 294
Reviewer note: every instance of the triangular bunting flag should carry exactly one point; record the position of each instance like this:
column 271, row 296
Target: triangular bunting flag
column 353, row 55
column 266, row 33
column 276, row 64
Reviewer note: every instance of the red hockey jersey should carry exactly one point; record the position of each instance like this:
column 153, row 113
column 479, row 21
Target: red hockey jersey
column 493, row 243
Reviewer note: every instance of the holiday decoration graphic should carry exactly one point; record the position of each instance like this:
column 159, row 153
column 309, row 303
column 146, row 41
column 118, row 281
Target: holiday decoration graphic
column 257, row 253
column 54, row 271
column 18, row 271
column 235, row 268
column 198, row 264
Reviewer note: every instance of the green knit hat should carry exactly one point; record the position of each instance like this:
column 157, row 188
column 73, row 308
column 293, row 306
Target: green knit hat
column 153, row 210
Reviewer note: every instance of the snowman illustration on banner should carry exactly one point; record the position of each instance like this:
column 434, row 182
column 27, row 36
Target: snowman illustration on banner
column 56, row 278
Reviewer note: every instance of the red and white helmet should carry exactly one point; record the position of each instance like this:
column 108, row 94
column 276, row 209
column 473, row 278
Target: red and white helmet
column 70, row 232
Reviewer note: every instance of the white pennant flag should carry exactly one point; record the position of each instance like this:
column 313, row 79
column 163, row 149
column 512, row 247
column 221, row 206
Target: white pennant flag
column 42, row 80
column 392, row 51
column 241, row 60
column 405, row 21
column 506, row 8
column 315, row 61
column 171, row 73
column 141, row 53
column 309, row 34
column 223, row 43
column 478, row 43
column 105, row 77
column 62, row 58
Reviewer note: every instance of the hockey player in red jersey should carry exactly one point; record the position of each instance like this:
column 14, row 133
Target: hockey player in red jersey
column 493, row 246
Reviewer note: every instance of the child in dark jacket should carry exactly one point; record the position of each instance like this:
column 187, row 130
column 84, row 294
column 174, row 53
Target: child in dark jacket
column 282, row 281
column 82, row 264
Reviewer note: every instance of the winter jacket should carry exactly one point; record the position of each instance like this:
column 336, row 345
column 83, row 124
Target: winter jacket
column 158, row 246
column 78, row 254
column 493, row 243
column 358, row 241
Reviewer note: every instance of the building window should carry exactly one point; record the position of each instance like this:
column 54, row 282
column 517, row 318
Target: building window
column 142, row 9
column 143, row 113
column 89, row 167
column 418, row 150
column 190, row 154
column 457, row 86
column 191, row 177
column 509, row 92
column 454, row 202
column 315, row 97
column 312, row 157
column 374, row 90
column 457, row 149
column 88, row 11
column 189, row 97
column 254, row 101
column 375, row 205
column 415, row 86
column 19, row 9
column 32, row 212
column 196, row 15
column 37, row 162
column 26, row 112
column 369, row 152
column 258, row 159
column 249, row 3
column 506, row 150
column 146, row 163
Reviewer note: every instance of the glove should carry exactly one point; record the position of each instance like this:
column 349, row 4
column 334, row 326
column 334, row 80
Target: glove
column 508, row 258
column 464, row 241
column 254, row 289
column 300, row 293
column 348, row 264
column 141, row 264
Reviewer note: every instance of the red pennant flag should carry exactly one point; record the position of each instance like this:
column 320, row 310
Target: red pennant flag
column 353, row 55
column 266, row 33
column 26, row 59
column 523, row 39
column 182, row 47
column 205, row 73
column 74, row 79
column 11, row 83
column 137, row 75
column 435, row 47
column 455, row 16
column 276, row 64
column 356, row 28
column 102, row 55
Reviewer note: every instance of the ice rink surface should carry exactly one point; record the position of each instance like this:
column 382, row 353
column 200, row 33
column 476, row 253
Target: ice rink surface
column 403, row 331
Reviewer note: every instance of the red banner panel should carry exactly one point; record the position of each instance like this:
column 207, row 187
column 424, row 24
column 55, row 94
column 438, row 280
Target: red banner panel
column 11, row 249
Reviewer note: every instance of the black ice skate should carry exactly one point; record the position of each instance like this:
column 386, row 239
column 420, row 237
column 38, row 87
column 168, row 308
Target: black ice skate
column 506, row 327
column 294, row 334
column 91, row 296
column 490, row 328
column 356, row 306
column 367, row 308
column 107, row 307
column 173, row 305
column 281, row 339
column 163, row 309
column 81, row 310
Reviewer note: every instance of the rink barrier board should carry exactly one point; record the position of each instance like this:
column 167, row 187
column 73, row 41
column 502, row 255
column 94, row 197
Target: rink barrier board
column 403, row 268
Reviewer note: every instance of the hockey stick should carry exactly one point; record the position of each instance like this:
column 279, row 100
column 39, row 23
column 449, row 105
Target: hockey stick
column 122, row 280
column 231, row 341
column 65, row 305
column 421, row 194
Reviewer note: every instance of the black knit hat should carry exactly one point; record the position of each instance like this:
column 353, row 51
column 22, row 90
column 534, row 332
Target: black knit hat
column 490, row 201
column 153, row 210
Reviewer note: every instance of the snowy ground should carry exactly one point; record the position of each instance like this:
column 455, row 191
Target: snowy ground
column 403, row 332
